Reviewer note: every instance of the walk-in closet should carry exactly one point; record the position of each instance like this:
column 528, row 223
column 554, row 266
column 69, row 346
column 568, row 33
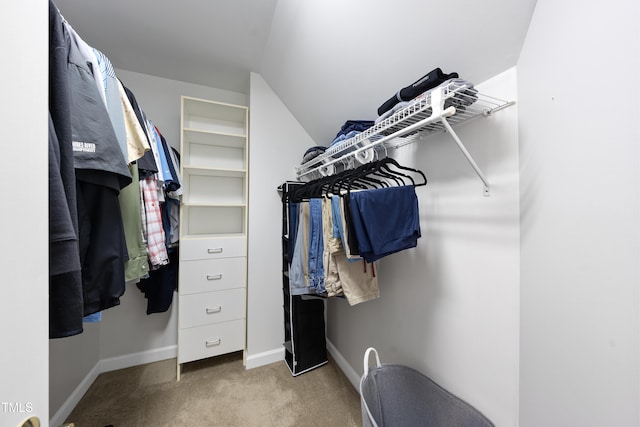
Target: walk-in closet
column 441, row 182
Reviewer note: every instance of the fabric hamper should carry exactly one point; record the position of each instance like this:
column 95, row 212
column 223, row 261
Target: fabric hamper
column 399, row 396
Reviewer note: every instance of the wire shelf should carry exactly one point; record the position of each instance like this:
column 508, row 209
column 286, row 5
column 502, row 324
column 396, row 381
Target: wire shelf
column 437, row 110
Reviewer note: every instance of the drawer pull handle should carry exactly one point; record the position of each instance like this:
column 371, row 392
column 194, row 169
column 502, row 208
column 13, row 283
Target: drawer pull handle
column 217, row 309
column 214, row 250
column 212, row 343
column 214, row 276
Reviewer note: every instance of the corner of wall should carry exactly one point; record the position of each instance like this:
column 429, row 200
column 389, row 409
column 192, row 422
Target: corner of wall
column 276, row 143
column 107, row 365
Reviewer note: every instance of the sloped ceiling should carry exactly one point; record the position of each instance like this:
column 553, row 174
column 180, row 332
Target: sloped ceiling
column 212, row 43
column 328, row 60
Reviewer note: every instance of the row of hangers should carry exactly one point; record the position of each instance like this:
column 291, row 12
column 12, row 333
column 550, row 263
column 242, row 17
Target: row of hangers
column 378, row 174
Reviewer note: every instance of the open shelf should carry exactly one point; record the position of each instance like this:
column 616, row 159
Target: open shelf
column 198, row 170
column 211, row 188
column 203, row 115
column 214, row 150
column 206, row 220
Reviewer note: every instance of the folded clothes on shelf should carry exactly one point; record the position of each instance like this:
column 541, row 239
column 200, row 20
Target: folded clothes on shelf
column 354, row 125
column 432, row 79
column 312, row 153
column 350, row 129
column 344, row 137
column 464, row 94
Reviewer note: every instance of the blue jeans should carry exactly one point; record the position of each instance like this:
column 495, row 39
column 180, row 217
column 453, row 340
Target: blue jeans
column 336, row 217
column 316, row 246
column 297, row 282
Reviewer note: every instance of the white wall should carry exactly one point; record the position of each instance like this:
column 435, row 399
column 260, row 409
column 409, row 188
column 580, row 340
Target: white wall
column 277, row 143
column 24, row 305
column 449, row 307
column 579, row 80
column 331, row 60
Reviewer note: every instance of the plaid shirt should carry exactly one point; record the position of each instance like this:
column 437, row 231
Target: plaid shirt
column 152, row 223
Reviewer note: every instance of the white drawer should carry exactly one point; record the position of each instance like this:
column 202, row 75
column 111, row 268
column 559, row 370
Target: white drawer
column 210, row 340
column 211, row 307
column 212, row 275
column 225, row 247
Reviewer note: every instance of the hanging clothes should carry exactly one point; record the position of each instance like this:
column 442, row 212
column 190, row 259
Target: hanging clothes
column 97, row 145
column 65, row 280
column 152, row 223
column 380, row 231
column 101, row 173
column 173, row 204
column 316, row 245
column 137, row 266
column 146, row 164
column 113, row 101
column 65, row 277
column 159, row 287
column 136, row 138
column 319, row 265
column 173, row 184
column 357, row 281
column 103, row 249
column 341, row 229
column 340, row 226
column 299, row 269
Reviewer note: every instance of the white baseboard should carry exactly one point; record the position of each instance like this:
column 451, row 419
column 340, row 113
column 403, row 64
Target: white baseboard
column 67, row 407
column 106, row 365
column 135, row 359
column 342, row 363
column 265, row 358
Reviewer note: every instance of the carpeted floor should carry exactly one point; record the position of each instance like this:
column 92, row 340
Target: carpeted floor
column 219, row 392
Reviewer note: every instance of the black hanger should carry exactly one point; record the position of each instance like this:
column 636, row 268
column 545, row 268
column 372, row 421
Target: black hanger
column 363, row 177
column 390, row 161
column 379, row 170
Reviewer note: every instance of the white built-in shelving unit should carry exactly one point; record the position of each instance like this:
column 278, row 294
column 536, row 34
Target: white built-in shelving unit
column 213, row 229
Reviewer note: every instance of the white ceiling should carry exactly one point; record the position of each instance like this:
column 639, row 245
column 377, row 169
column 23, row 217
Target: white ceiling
column 212, row 43
column 328, row 60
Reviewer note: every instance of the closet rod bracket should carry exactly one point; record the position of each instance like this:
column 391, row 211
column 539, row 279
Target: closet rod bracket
column 467, row 155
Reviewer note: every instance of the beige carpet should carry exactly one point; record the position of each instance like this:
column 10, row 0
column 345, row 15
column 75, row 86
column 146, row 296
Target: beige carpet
column 219, row 392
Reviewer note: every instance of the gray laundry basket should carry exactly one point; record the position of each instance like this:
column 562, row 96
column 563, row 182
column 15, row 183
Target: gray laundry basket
column 398, row 396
